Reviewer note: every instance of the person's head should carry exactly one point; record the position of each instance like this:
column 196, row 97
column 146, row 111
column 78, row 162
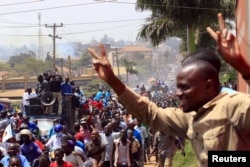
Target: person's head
column 44, row 160
column 123, row 134
column 40, row 78
column 197, row 83
column 83, row 123
column 72, row 83
column 108, row 129
column 67, row 79
column 203, row 54
column 77, row 127
column 26, row 119
column 58, row 128
column 13, row 149
column 67, row 145
column 65, row 129
column 77, row 89
column 15, row 161
column 130, row 133
column 26, row 135
column 3, row 114
column 137, row 123
column 53, row 77
column 29, row 90
column 59, row 155
column 117, row 117
column 95, row 136
column 56, row 121
column 131, row 124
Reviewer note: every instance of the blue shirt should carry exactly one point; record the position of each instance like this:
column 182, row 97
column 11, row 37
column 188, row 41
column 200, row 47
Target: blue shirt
column 228, row 90
column 98, row 96
column 66, row 88
column 1, row 106
column 33, row 128
column 81, row 145
column 6, row 159
column 137, row 135
column 31, row 151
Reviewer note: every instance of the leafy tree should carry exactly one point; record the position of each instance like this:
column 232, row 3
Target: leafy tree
column 85, row 60
column 4, row 66
column 92, row 87
column 129, row 65
column 174, row 17
column 19, row 59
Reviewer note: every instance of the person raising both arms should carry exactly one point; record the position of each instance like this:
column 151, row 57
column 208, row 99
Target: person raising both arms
column 209, row 118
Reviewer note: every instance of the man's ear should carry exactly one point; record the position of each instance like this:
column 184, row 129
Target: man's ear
column 209, row 85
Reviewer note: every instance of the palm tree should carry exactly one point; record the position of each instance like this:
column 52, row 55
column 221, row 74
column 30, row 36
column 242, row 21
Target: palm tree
column 129, row 65
column 181, row 18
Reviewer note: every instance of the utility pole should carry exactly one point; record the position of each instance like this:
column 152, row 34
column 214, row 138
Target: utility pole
column 69, row 61
column 40, row 49
column 61, row 66
column 115, row 56
column 117, row 62
column 54, row 36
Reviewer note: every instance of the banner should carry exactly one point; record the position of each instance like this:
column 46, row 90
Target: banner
column 7, row 134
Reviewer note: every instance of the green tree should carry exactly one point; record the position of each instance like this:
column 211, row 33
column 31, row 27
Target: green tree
column 85, row 60
column 130, row 67
column 181, row 18
column 92, row 87
column 4, row 66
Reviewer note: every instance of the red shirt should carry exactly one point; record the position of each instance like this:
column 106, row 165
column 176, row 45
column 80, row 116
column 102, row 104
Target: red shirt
column 79, row 137
column 65, row 164
column 40, row 144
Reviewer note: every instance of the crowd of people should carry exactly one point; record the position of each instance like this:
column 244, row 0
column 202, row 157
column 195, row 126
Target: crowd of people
column 105, row 135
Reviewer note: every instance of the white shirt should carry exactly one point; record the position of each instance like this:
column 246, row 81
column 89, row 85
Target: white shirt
column 55, row 141
column 108, row 141
column 26, row 98
column 80, row 151
column 75, row 160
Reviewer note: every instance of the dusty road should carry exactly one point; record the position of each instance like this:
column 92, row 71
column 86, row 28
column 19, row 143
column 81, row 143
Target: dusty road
column 151, row 163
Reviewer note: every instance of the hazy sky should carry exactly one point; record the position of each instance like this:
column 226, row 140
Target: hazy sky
column 82, row 20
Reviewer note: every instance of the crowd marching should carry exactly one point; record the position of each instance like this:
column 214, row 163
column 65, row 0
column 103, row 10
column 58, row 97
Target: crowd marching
column 103, row 134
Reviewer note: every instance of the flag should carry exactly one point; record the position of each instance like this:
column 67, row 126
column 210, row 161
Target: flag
column 7, row 134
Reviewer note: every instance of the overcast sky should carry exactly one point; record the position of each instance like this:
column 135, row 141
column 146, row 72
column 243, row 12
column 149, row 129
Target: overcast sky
column 82, row 20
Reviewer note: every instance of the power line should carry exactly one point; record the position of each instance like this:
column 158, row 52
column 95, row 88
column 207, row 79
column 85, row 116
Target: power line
column 58, row 7
column 98, row 29
column 173, row 6
column 15, row 22
column 21, row 3
column 77, row 5
column 72, row 32
column 73, row 24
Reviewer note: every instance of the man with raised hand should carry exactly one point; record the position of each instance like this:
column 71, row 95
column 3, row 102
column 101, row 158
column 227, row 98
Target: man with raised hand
column 212, row 120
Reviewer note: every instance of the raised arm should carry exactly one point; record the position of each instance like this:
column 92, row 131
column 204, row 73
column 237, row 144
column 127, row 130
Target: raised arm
column 228, row 47
column 104, row 69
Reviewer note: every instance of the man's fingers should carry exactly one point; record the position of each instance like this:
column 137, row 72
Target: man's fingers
column 93, row 53
column 102, row 49
column 224, row 33
column 221, row 22
column 218, row 38
column 212, row 33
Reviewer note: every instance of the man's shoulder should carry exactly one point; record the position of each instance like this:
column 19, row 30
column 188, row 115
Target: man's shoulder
column 5, row 158
column 89, row 144
column 22, row 157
